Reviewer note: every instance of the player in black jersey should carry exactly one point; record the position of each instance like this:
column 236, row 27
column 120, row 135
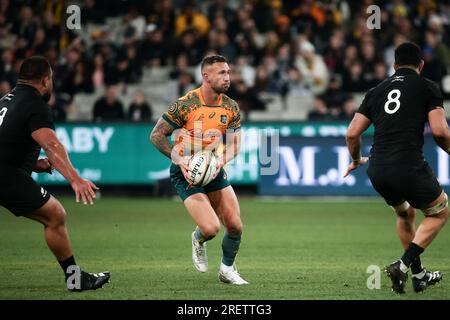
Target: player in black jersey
column 398, row 108
column 26, row 126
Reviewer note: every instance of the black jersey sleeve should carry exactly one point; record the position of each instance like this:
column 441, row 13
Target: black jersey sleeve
column 40, row 116
column 435, row 99
column 364, row 108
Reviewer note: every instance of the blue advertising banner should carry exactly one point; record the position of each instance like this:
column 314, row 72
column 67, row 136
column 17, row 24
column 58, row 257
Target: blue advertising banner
column 315, row 166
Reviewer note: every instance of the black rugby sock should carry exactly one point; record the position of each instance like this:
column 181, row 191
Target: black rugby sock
column 416, row 266
column 66, row 264
column 411, row 254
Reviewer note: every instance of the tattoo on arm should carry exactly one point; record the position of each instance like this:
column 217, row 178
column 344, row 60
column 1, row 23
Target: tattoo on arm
column 159, row 137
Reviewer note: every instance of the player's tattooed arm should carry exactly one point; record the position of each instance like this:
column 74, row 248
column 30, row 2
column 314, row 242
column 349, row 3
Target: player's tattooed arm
column 160, row 137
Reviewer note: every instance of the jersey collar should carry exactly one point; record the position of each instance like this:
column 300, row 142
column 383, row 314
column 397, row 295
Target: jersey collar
column 405, row 71
column 202, row 101
column 28, row 87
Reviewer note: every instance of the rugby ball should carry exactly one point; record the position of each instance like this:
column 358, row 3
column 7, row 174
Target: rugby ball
column 202, row 167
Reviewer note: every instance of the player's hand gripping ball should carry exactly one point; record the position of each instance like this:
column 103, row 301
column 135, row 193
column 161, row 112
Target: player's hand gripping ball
column 202, row 168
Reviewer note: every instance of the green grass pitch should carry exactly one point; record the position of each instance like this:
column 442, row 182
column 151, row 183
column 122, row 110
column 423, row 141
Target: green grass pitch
column 291, row 249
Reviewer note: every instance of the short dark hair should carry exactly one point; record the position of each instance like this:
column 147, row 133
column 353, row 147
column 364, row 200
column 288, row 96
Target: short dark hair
column 408, row 53
column 34, row 68
column 209, row 60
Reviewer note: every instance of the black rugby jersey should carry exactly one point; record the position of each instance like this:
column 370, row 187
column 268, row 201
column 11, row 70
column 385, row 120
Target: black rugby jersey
column 22, row 111
column 398, row 108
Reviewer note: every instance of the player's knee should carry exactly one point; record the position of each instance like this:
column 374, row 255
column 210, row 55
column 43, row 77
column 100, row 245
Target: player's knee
column 58, row 216
column 407, row 214
column 235, row 228
column 210, row 230
column 403, row 210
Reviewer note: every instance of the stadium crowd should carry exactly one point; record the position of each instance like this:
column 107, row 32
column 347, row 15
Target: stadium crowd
column 320, row 49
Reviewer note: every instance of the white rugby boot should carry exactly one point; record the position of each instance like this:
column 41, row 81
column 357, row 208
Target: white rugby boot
column 199, row 257
column 230, row 275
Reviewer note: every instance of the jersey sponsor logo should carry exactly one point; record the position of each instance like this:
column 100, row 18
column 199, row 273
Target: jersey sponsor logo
column 212, row 115
column 43, row 192
column 398, row 78
column 8, row 96
column 223, row 118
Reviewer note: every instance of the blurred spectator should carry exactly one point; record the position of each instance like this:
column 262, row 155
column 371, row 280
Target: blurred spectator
column 330, row 105
column 139, row 110
column 153, row 49
column 7, row 39
column 7, row 71
column 125, row 69
column 40, row 44
column 51, row 29
column 334, row 52
column 25, row 27
column 181, row 65
column 179, row 87
column 272, row 43
column 348, row 109
column 353, row 80
column 108, row 108
column 368, row 59
column 312, row 67
column 225, row 47
column 296, row 86
column 433, row 42
column 5, row 88
column 98, row 75
column 162, row 15
column 191, row 19
column 92, row 12
column 283, row 28
column 380, row 74
column 188, row 45
column 433, row 69
column 59, row 105
column 246, row 71
column 246, row 97
column 307, row 16
column 219, row 8
column 75, row 75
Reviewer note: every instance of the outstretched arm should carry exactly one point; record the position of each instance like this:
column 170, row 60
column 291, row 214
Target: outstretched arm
column 359, row 124
column 58, row 158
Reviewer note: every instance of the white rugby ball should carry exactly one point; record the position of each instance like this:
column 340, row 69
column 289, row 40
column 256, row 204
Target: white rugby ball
column 202, row 167
column 209, row 176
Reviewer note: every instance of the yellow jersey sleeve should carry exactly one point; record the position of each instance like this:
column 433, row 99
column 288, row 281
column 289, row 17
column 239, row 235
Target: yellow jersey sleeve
column 235, row 121
column 175, row 116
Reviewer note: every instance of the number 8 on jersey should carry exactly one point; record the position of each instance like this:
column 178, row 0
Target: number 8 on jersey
column 391, row 100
